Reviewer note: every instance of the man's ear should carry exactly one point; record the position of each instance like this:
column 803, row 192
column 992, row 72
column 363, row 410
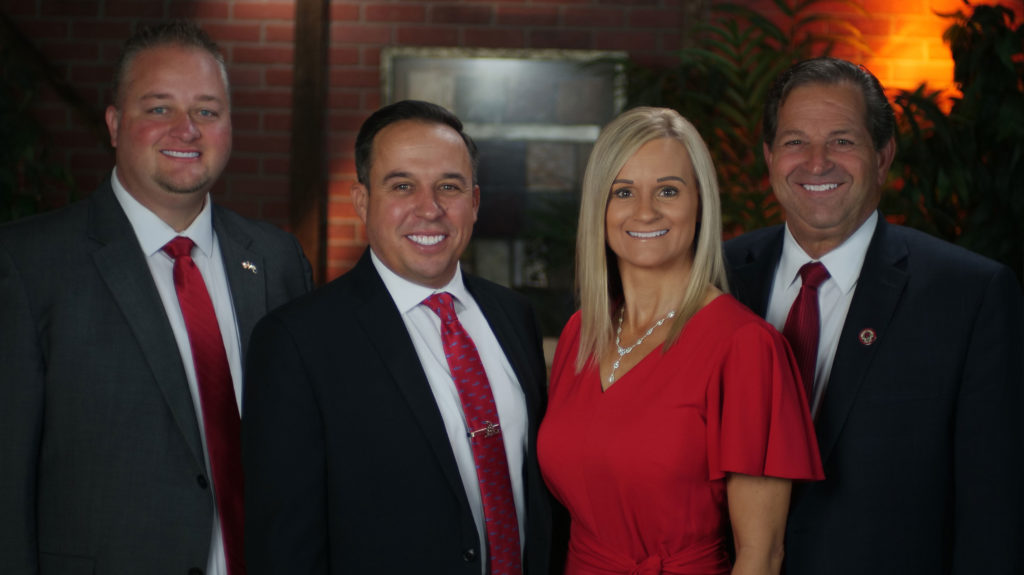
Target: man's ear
column 886, row 155
column 113, row 117
column 360, row 199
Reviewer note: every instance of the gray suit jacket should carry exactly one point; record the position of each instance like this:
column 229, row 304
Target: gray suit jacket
column 919, row 428
column 101, row 457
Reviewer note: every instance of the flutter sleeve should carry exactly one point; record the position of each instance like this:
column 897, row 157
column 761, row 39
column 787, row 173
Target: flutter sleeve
column 758, row 422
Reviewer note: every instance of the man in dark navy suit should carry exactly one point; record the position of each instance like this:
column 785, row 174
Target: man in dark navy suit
column 358, row 443
column 917, row 371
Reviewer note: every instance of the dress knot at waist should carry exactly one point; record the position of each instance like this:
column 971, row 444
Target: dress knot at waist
column 588, row 557
column 649, row 566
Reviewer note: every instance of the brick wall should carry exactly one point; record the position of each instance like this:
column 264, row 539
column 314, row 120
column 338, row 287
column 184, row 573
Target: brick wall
column 81, row 39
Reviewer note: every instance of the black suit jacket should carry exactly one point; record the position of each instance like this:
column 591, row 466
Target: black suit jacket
column 347, row 462
column 919, row 431
column 101, row 461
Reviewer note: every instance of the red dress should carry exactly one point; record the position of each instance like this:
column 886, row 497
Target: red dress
column 641, row 466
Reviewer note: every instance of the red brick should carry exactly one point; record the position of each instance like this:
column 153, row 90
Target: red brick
column 279, row 77
column 201, row 11
column 69, row 8
column 461, row 14
column 628, row 41
column 342, row 99
column 427, row 36
column 277, row 121
column 360, row 34
column 350, row 78
column 527, row 16
column 262, row 54
column 394, row 13
column 493, row 37
column 245, row 121
column 347, row 56
column 254, row 185
column 276, row 166
column 264, row 11
column 595, row 17
column 280, row 33
column 138, row 10
column 94, row 30
column 43, row 30
column 91, row 74
column 246, row 75
column 645, row 18
column 344, row 12
column 18, row 8
column 345, row 121
column 262, row 99
column 340, row 207
column 561, row 39
column 371, row 56
column 243, row 164
column 88, row 159
column 69, row 51
column 231, row 32
column 275, row 211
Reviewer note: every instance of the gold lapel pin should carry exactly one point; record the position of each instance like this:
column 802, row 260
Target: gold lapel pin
column 248, row 265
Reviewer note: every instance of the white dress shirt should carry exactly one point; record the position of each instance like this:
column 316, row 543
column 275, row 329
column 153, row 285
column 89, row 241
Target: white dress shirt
column 153, row 233
column 834, row 295
column 424, row 328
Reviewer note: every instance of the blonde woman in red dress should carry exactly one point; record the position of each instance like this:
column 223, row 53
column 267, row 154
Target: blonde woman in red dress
column 675, row 423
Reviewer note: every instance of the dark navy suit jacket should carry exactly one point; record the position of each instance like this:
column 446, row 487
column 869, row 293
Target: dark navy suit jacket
column 348, row 466
column 919, row 429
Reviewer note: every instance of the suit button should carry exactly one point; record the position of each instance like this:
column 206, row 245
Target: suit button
column 195, row 571
column 469, row 555
column 203, row 484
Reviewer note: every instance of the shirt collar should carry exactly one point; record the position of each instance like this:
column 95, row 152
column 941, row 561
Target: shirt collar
column 843, row 263
column 154, row 233
column 407, row 295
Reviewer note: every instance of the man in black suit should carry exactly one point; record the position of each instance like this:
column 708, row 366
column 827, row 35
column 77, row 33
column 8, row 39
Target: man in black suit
column 917, row 370
column 105, row 416
column 360, row 448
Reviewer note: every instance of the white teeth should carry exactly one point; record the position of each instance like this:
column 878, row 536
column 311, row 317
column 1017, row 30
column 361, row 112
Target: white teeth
column 820, row 187
column 426, row 240
column 647, row 235
column 174, row 154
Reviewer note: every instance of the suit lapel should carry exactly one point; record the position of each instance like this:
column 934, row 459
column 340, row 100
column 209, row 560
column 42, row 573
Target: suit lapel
column 879, row 289
column 380, row 320
column 511, row 342
column 245, row 272
column 123, row 267
column 751, row 278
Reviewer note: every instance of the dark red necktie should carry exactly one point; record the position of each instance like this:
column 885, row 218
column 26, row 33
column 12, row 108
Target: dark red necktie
column 502, row 527
column 217, row 396
column 803, row 325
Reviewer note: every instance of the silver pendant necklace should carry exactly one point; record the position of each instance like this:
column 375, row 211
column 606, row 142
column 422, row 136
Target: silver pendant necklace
column 624, row 351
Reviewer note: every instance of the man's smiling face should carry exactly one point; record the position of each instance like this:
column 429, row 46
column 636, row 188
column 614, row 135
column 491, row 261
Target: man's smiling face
column 172, row 124
column 824, row 168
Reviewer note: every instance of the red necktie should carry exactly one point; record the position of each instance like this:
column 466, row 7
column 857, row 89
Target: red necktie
column 217, row 396
column 502, row 527
column 803, row 324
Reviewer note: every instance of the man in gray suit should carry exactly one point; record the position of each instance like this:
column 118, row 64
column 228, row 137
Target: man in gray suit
column 113, row 460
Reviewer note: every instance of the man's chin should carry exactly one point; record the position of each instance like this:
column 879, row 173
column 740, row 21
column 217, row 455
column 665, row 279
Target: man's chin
column 186, row 188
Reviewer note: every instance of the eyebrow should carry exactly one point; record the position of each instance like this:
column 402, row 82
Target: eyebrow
column 166, row 96
column 659, row 180
column 445, row 176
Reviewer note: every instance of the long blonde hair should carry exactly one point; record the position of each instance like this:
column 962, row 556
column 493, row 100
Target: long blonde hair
column 597, row 276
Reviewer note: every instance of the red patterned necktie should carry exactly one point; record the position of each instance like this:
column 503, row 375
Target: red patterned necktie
column 803, row 325
column 217, row 396
column 478, row 406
